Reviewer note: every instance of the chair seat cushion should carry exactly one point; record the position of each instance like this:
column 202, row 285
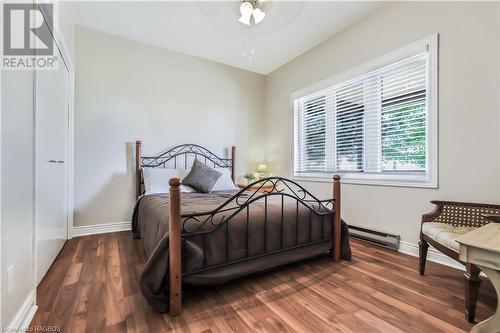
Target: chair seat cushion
column 445, row 234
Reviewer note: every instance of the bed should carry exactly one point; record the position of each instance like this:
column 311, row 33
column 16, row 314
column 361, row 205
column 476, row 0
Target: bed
column 211, row 238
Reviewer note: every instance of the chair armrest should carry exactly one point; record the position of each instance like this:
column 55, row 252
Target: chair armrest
column 438, row 209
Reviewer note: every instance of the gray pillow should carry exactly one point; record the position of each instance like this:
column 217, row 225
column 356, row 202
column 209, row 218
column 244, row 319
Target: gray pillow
column 201, row 177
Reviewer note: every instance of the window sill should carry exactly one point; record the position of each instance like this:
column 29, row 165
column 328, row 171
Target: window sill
column 414, row 181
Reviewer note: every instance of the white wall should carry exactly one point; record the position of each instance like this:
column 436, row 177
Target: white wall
column 17, row 175
column 126, row 90
column 66, row 14
column 468, row 106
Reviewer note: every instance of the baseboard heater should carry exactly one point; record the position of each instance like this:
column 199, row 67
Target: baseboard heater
column 375, row 237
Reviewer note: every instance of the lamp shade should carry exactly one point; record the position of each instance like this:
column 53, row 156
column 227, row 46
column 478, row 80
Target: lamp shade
column 246, row 10
column 262, row 168
column 258, row 15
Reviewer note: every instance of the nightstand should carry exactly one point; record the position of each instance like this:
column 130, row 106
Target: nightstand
column 263, row 189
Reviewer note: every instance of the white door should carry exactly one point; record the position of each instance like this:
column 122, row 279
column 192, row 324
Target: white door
column 52, row 110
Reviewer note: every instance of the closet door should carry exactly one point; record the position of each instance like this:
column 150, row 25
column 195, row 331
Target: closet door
column 52, row 108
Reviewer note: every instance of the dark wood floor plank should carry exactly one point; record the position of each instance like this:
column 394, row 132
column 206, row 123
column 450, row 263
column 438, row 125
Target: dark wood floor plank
column 427, row 301
column 93, row 286
column 78, row 321
column 290, row 311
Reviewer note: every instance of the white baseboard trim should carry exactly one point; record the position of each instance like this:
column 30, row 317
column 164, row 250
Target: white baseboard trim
column 96, row 229
column 432, row 255
column 24, row 315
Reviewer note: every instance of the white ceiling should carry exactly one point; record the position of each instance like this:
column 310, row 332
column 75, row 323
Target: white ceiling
column 210, row 29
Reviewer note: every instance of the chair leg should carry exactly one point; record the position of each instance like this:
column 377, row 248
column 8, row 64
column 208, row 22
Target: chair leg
column 472, row 282
column 423, row 246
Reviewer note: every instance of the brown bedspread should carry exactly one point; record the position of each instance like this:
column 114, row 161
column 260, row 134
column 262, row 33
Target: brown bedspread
column 150, row 223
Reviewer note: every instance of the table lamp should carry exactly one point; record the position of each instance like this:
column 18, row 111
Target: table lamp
column 261, row 171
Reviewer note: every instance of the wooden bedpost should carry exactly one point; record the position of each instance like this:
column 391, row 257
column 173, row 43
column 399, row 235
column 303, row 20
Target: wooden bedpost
column 337, row 218
column 233, row 156
column 138, row 155
column 174, row 241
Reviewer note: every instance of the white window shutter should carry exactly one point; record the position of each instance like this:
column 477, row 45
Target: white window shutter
column 375, row 123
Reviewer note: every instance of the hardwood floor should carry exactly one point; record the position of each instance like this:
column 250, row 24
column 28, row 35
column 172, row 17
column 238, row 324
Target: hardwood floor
column 93, row 287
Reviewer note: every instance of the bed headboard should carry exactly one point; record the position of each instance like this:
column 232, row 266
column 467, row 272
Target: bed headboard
column 178, row 157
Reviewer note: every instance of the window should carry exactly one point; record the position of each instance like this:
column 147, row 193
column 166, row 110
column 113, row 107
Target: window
column 375, row 124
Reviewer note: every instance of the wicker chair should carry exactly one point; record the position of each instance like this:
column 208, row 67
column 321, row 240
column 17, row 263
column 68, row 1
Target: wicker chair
column 441, row 227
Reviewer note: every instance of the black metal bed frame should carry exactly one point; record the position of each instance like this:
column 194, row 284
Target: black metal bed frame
column 160, row 161
column 259, row 190
column 185, row 150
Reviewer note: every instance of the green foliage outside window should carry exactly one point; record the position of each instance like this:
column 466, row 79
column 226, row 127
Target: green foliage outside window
column 403, row 138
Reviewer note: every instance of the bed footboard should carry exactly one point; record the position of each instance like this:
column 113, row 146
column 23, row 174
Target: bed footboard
column 281, row 194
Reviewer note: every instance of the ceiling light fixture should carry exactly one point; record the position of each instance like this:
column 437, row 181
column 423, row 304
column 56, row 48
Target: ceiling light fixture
column 249, row 9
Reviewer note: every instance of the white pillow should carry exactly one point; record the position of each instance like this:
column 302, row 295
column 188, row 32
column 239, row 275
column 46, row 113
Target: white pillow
column 156, row 180
column 224, row 183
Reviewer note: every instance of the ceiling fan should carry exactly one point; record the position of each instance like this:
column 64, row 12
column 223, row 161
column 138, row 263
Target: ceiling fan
column 251, row 9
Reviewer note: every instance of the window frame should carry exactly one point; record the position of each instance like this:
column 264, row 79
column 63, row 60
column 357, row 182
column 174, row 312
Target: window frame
column 428, row 179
